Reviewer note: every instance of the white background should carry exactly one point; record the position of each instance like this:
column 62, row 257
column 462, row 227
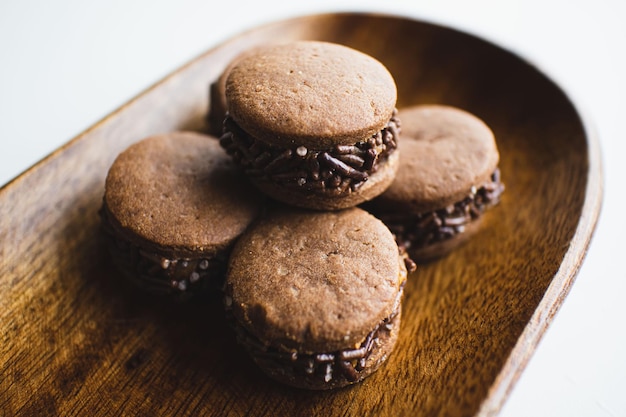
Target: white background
column 65, row 64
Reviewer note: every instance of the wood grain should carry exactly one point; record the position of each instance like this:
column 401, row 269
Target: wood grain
column 75, row 340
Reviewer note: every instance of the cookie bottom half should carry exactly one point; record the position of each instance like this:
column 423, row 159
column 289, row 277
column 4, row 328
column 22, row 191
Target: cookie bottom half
column 375, row 185
column 161, row 273
column 427, row 236
column 325, row 370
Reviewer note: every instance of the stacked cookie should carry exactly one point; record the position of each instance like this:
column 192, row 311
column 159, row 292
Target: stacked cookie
column 313, row 124
column 312, row 283
column 174, row 204
column 448, row 178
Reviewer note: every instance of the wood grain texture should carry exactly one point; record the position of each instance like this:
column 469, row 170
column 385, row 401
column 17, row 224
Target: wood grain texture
column 75, row 340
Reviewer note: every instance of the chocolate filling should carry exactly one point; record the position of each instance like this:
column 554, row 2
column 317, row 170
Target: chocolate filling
column 336, row 171
column 421, row 230
column 159, row 273
column 409, row 263
column 345, row 365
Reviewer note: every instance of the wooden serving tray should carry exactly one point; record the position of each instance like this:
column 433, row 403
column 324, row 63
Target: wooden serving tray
column 77, row 341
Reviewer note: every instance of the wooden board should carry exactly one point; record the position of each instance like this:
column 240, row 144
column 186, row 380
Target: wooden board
column 76, row 341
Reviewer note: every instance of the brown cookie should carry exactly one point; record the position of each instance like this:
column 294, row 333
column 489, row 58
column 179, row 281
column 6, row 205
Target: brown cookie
column 315, row 296
column 173, row 206
column 448, row 177
column 313, row 123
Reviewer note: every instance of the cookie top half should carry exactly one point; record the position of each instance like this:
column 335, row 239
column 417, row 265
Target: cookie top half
column 315, row 281
column 310, row 93
column 444, row 152
column 181, row 193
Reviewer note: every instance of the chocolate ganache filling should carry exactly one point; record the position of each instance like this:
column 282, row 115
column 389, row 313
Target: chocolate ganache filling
column 335, row 171
column 420, row 230
column 345, row 365
column 160, row 273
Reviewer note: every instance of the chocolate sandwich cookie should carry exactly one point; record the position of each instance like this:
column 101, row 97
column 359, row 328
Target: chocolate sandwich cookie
column 315, row 296
column 173, row 206
column 448, row 177
column 313, row 124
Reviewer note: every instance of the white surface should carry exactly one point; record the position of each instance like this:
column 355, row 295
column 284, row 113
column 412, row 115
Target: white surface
column 66, row 64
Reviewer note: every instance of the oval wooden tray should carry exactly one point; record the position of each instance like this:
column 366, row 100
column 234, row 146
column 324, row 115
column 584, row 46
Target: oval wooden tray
column 75, row 341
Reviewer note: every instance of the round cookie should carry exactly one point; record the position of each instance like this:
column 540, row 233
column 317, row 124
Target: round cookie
column 448, row 177
column 313, row 123
column 315, row 296
column 173, row 206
